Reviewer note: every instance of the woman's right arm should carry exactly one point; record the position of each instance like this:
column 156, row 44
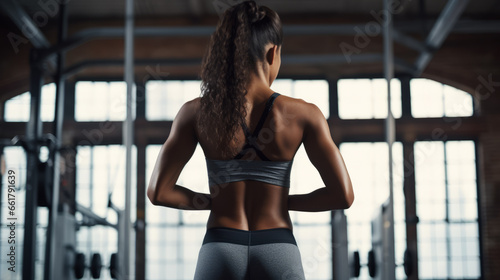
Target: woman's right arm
column 326, row 157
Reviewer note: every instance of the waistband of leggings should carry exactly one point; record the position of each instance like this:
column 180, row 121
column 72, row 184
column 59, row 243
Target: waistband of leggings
column 249, row 238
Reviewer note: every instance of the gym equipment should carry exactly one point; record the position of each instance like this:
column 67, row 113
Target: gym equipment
column 407, row 262
column 113, row 265
column 95, row 266
column 79, row 265
column 372, row 264
column 379, row 258
column 356, row 265
column 45, row 183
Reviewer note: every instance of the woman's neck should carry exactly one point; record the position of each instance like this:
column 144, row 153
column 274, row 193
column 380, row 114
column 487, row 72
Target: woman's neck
column 258, row 88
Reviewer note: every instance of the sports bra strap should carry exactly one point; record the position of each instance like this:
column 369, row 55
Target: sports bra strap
column 251, row 138
column 267, row 109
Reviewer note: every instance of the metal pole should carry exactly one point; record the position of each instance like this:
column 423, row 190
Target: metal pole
column 33, row 133
column 1, row 185
column 390, row 129
column 51, row 244
column 340, row 250
column 96, row 219
column 128, row 139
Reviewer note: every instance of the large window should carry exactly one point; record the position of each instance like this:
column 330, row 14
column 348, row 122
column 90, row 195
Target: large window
column 446, row 191
column 448, row 235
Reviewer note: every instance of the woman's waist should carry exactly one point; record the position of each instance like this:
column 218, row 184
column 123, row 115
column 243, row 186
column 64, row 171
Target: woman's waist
column 249, row 237
column 243, row 221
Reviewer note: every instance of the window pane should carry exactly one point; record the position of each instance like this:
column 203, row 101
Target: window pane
column 367, row 98
column 102, row 101
column 457, row 103
column 433, row 99
column 426, row 98
column 17, row 109
column 312, row 91
column 283, row 86
column 165, row 98
column 430, row 188
column 462, row 187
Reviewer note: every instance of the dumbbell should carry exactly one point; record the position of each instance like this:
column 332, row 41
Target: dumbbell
column 95, row 265
column 356, row 264
column 372, row 264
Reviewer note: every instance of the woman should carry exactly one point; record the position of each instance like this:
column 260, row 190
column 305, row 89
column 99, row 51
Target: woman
column 249, row 135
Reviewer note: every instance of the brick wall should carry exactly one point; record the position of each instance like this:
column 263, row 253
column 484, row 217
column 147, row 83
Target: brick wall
column 489, row 190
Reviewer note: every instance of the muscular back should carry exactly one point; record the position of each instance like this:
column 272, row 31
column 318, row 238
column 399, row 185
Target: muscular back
column 253, row 205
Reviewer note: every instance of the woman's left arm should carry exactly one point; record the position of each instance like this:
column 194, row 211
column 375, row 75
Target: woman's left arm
column 173, row 156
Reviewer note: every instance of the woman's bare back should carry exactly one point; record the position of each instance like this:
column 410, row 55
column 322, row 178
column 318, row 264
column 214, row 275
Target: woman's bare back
column 254, row 205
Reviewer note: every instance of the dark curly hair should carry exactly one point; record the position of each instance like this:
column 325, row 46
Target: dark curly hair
column 235, row 47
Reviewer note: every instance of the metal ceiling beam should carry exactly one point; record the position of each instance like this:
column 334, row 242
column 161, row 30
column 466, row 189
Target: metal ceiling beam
column 469, row 26
column 27, row 26
column 476, row 26
column 318, row 59
column 22, row 20
column 439, row 32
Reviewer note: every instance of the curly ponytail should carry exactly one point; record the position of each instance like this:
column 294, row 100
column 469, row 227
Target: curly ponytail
column 234, row 49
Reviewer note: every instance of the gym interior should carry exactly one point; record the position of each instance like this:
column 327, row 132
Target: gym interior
column 410, row 90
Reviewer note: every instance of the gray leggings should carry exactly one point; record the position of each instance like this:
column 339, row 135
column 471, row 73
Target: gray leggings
column 235, row 254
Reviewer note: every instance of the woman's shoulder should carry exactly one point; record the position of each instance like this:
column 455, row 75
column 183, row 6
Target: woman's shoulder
column 187, row 112
column 297, row 107
column 191, row 107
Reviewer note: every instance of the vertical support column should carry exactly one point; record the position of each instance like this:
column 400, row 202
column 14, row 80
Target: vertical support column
column 140, row 237
column 405, row 97
column 2, row 111
column 69, row 101
column 33, row 134
column 340, row 260
column 340, row 252
column 50, row 264
column 125, row 252
column 410, row 207
column 333, row 98
column 1, row 191
column 389, row 261
column 140, row 100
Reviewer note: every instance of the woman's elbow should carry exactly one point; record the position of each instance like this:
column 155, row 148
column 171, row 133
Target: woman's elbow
column 349, row 201
column 151, row 195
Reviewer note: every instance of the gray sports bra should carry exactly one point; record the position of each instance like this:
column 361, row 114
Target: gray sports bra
column 237, row 169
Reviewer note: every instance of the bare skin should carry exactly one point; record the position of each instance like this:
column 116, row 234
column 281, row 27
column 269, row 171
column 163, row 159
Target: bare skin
column 253, row 205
